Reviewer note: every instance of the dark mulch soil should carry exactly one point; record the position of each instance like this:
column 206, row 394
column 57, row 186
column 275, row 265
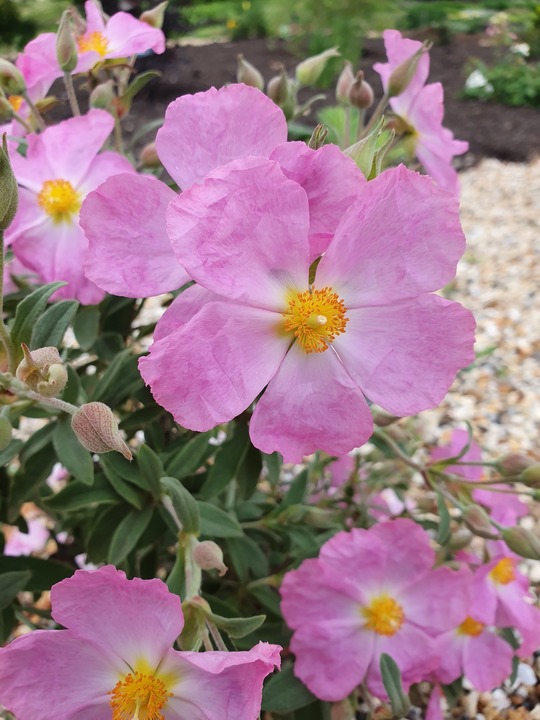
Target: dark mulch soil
column 493, row 130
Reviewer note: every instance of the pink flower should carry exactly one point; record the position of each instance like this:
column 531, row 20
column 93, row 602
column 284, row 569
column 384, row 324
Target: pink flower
column 34, row 541
column 115, row 659
column 341, row 469
column 15, row 268
column 369, row 592
column 61, row 167
column 39, row 66
column 222, row 125
column 421, row 107
column 368, row 325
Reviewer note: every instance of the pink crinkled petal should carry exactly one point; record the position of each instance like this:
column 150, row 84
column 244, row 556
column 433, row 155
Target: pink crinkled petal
column 450, row 648
column 135, row 620
column 311, row 404
column 405, row 357
column 128, row 36
column 39, row 65
column 129, row 251
column 487, row 661
column 400, row 239
column 399, row 49
column 204, row 131
column 212, row 368
column 243, row 233
column 182, row 309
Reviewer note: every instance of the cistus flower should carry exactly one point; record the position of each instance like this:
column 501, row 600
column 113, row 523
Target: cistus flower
column 115, row 659
column 61, row 167
column 124, row 220
column 366, row 325
column 369, row 592
column 421, row 107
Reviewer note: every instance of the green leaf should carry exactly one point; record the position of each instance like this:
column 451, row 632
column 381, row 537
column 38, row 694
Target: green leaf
column 247, row 558
column 184, row 504
column 52, row 325
column 297, row 490
column 391, row 678
column 77, row 496
column 228, row 459
column 238, row 627
column 284, row 692
column 45, row 573
column 127, row 534
column 190, row 457
column 122, row 487
column 443, row 532
column 151, row 469
column 28, row 312
column 10, row 584
column 216, row 522
column 71, row 453
column 10, row 452
column 120, row 377
column 100, row 536
column 86, row 327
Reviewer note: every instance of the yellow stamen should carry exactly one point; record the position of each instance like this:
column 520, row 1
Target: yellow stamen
column 15, row 101
column 59, row 199
column 503, row 572
column 95, row 41
column 316, row 317
column 384, row 615
column 139, row 697
column 471, row 627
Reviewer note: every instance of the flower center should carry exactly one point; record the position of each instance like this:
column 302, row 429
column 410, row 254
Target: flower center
column 316, row 317
column 95, row 41
column 471, row 627
column 139, row 697
column 503, row 572
column 384, row 615
column 15, row 101
column 59, row 199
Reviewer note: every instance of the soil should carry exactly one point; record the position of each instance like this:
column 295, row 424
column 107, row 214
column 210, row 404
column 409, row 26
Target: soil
column 493, row 130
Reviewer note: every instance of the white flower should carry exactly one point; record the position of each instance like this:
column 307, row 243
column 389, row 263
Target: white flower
column 522, row 49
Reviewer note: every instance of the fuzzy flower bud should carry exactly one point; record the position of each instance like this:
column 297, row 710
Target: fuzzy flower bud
column 97, row 429
column 248, row 74
column 155, row 16
column 149, row 157
column 477, row 520
column 344, row 83
column 42, row 370
column 531, row 476
column 523, row 542
column 460, row 539
column 279, row 89
column 404, row 73
column 361, row 93
column 209, row 556
column 513, row 464
column 11, row 79
column 66, row 49
column 102, row 96
column 9, row 194
column 311, row 69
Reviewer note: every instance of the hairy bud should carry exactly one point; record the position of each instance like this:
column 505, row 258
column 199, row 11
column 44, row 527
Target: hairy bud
column 66, row 48
column 477, row 520
column 344, row 82
column 97, row 429
column 11, row 78
column 43, row 371
column 513, row 464
column 279, row 89
column 102, row 96
column 155, row 16
column 361, row 93
column 523, row 542
column 9, row 194
column 248, row 74
column 149, row 157
column 209, row 556
column 311, row 69
column 531, row 476
column 401, row 76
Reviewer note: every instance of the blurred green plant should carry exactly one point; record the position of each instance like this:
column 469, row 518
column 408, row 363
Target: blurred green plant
column 510, row 82
column 15, row 30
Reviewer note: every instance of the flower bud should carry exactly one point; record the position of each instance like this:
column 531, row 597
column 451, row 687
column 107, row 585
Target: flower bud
column 5, row 433
column 459, row 539
column 66, row 49
column 248, row 74
column 477, row 520
column 318, row 136
column 513, row 464
column 531, row 476
column 342, row 710
column 383, row 419
column 9, row 194
column 102, row 96
column 149, row 157
column 42, row 370
column 279, row 89
column 310, row 70
column 155, row 16
column 344, row 82
column 97, row 429
column 209, row 556
column 11, row 78
column 523, row 542
column 361, row 93
column 402, row 75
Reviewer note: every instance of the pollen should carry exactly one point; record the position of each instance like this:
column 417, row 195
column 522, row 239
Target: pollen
column 15, row 101
column 471, row 627
column 316, row 317
column 95, row 41
column 503, row 572
column 59, row 199
column 139, row 697
column 384, row 615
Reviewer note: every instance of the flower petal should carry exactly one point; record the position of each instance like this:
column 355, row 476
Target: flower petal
column 182, row 309
column 332, row 182
column 406, row 356
column 135, row 620
column 440, row 602
column 212, row 368
column 39, row 65
column 129, row 252
column 399, row 49
column 243, row 233
column 400, row 239
column 128, row 36
column 204, row 131
column 103, row 166
column 311, row 404
column 487, row 661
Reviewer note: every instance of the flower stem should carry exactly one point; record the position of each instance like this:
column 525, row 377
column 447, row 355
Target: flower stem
column 35, row 112
column 5, row 336
column 397, row 450
column 377, row 113
column 216, row 636
column 72, row 97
